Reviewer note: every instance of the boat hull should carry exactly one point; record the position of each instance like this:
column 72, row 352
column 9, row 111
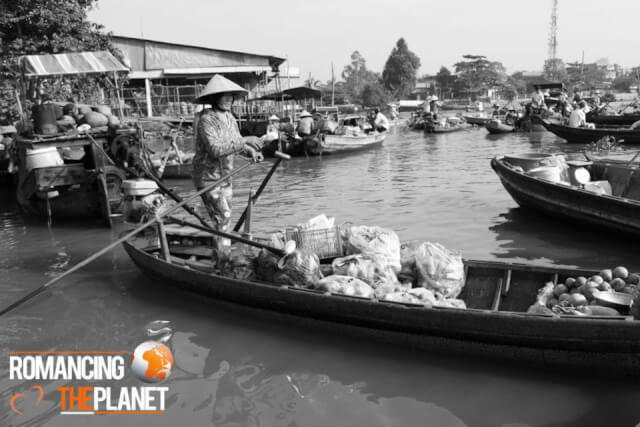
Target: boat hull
column 497, row 127
column 569, row 202
column 587, row 136
column 334, row 144
column 612, row 343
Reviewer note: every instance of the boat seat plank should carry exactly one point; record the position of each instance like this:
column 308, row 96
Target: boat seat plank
column 618, row 176
column 524, row 289
column 481, row 286
column 633, row 188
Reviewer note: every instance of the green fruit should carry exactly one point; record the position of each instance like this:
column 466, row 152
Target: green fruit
column 620, row 272
column 604, row 286
column 618, row 284
column 570, row 282
column 581, row 280
column 597, row 278
column 577, row 300
column 560, row 289
column 552, row 302
column 574, row 291
column 607, row 274
column 629, row 290
column 633, row 279
column 588, row 290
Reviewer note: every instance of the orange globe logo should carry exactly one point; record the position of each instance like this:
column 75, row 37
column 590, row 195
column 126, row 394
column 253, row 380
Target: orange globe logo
column 152, row 362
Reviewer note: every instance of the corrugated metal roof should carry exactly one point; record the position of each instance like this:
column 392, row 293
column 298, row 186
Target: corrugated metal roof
column 71, row 63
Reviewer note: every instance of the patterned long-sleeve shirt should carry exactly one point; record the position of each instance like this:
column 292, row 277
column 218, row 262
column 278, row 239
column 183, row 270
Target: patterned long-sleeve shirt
column 218, row 139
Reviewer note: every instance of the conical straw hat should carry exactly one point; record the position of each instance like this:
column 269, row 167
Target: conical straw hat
column 219, row 84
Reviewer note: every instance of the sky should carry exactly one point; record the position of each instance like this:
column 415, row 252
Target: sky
column 315, row 34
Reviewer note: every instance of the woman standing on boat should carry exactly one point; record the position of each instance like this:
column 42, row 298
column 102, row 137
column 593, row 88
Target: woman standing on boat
column 217, row 141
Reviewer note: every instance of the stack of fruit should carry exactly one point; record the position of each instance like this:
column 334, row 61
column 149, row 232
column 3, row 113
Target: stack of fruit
column 578, row 291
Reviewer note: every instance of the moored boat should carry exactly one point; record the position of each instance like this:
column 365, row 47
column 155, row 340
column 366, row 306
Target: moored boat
column 610, row 198
column 584, row 135
column 495, row 322
column 497, row 126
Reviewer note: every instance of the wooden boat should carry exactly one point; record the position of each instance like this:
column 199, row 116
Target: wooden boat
column 601, row 118
column 587, row 135
column 497, row 126
column 444, row 129
column 334, row 144
column 494, row 324
column 475, row 120
column 618, row 211
column 85, row 187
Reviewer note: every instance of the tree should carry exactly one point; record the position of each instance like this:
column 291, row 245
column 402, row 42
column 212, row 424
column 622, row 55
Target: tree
column 29, row 27
column 356, row 76
column 374, row 95
column 624, row 83
column 477, row 72
column 445, row 80
column 399, row 73
column 555, row 70
column 311, row 82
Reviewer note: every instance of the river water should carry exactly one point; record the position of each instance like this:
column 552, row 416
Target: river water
column 238, row 367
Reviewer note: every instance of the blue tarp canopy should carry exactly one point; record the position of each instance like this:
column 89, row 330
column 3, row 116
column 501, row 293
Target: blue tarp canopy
column 71, row 63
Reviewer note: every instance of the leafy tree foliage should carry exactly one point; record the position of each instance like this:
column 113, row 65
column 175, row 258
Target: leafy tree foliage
column 374, row 95
column 399, row 73
column 624, row 83
column 555, row 70
column 476, row 71
column 30, row 27
column 445, row 79
column 356, row 76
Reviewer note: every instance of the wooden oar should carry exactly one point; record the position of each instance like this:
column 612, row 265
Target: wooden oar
column 279, row 156
column 230, row 236
column 122, row 239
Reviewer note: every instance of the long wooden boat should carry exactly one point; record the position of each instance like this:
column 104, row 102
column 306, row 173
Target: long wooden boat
column 444, row 129
column 498, row 127
column 334, row 144
column 587, row 135
column 626, row 119
column 475, row 120
column 495, row 322
column 619, row 211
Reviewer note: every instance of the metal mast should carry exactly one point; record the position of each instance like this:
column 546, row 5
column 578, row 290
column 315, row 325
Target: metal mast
column 553, row 39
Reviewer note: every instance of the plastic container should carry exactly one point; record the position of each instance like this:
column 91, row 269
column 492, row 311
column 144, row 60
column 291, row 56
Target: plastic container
column 549, row 173
column 45, row 119
column 138, row 187
column 527, row 161
column 324, row 242
column 43, row 158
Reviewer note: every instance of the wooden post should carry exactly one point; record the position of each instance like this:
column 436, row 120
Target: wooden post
column 147, row 89
column 164, row 245
column 247, row 223
column 115, row 79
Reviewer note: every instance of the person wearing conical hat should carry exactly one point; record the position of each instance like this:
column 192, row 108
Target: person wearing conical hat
column 305, row 124
column 217, row 141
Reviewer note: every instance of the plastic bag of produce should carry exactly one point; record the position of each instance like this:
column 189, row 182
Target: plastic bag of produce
column 238, row 262
column 267, row 269
column 450, row 303
column 408, row 273
column 383, row 289
column 540, row 306
column 404, row 297
column 375, row 242
column 345, row 285
column 299, row 268
column 426, row 296
column 370, row 270
column 439, row 269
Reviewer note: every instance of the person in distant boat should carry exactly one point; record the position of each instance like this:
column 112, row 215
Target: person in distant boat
column 433, row 105
column 595, row 101
column 496, row 111
column 217, row 141
column 381, row 123
column 563, row 103
column 537, row 100
column 578, row 116
column 306, row 126
column 273, row 129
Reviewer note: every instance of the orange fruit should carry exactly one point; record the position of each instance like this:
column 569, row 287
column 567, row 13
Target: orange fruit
column 607, row 274
column 620, row 272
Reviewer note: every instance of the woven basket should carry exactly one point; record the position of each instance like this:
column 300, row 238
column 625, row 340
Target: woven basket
column 324, row 242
